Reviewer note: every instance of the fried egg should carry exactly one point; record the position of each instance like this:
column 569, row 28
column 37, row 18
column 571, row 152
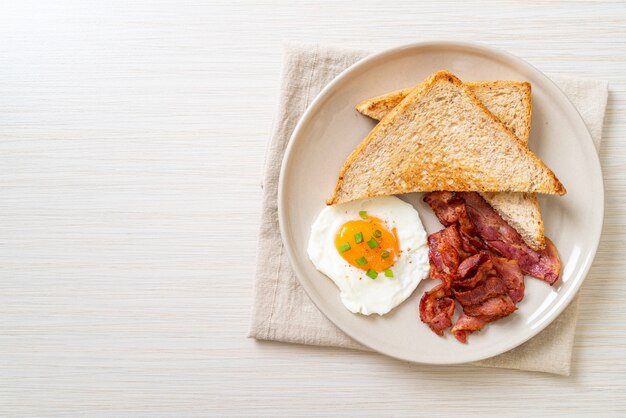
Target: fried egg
column 375, row 250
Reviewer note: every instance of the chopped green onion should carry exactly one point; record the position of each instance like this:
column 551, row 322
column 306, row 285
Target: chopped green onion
column 378, row 233
column 372, row 243
column 385, row 255
column 363, row 214
column 372, row 274
column 388, row 273
column 344, row 247
column 358, row 237
column 361, row 261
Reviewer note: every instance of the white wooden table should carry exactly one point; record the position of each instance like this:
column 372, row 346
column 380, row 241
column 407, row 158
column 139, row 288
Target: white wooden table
column 132, row 140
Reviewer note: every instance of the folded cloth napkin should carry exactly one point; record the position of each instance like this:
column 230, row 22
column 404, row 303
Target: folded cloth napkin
column 283, row 312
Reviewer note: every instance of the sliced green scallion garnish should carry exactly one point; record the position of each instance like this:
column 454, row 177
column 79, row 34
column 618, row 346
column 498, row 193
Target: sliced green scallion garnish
column 361, row 261
column 363, row 214
column 372, row 274
column 385, row 255
column 372, row 243
column 344, row 247
column 378, row 233
column 358, row 237
column 388, row 273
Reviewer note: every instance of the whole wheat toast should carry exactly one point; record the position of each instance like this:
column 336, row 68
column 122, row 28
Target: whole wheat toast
column 406, row 151
column 509, row 101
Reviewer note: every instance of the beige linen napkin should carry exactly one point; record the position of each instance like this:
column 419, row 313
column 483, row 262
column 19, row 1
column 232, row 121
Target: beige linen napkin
column 281, row 309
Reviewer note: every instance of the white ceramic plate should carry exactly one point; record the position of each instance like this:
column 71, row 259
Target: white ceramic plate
column 331, row 128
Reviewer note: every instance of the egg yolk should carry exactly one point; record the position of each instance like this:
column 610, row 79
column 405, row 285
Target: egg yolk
column 368, row 244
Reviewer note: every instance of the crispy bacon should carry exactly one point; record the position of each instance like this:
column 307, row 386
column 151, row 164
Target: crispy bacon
column 443, row 250
column 470, row 265
column 466, row 226
column 436, row 309
column 506, row 241
column 482, row 292
column 481, row 261
column 470, row 281
column 450, row 210
column 444, row 205
column 499, row 306
column 466, row 325
column 471, row 245
column 491, row 287
column 437, row 275
column 512, row 277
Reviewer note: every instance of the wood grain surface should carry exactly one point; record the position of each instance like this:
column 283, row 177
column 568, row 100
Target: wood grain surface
column 132, row 141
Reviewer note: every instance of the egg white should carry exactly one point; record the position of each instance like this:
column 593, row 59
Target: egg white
column 358, row 292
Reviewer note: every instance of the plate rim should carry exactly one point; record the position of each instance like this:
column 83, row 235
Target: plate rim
column 476, row 47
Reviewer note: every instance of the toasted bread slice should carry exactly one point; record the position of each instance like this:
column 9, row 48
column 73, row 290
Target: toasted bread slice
column 441, row 137
column 509, row 101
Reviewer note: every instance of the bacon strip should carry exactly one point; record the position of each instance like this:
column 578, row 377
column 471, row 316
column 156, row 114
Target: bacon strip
column 474, row 275
column 500, row 306
column 481, row 261
column 498, row 235
column 491, row 287
column 483, row 292
column 444, row 204
column 436, row 309
column 512, row 276
column 443, row 250
column 466, row 325
column 469, row 266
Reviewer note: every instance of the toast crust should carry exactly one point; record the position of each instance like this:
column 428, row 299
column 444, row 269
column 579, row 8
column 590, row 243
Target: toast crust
column 441, row 76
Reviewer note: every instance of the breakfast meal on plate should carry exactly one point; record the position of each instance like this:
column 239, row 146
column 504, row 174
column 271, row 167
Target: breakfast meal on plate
column 375, row 250
column 465, row 146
